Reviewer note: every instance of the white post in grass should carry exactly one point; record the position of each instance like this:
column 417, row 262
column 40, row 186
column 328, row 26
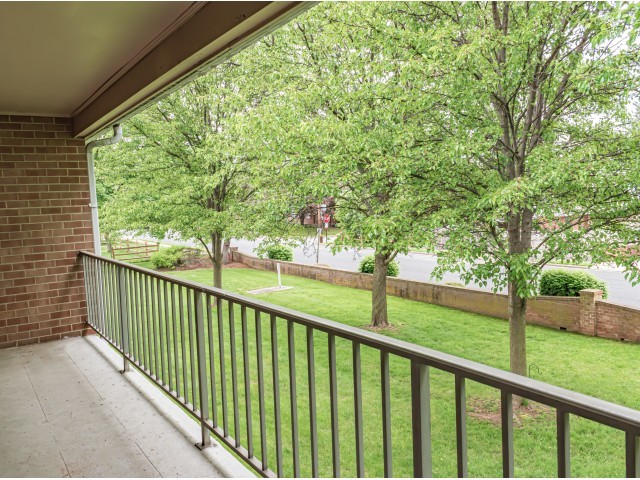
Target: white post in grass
column 279, row 279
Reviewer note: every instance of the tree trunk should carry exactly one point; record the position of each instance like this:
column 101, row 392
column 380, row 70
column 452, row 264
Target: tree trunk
column 517, row 331
column 379, row 316
column 216, row 249
column 226, row 251
column 517, row 336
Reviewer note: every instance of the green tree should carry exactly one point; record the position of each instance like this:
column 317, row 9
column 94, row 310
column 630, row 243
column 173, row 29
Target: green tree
column 539, row 137
column 345, row 121
column 182, row 168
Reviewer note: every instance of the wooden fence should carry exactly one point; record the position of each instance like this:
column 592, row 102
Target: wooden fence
column 130, row 250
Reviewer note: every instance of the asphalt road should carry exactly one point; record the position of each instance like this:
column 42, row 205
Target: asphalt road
column 418, row 266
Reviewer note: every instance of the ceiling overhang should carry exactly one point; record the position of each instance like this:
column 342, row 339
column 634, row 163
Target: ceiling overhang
column 215, row 32
column 100, row 62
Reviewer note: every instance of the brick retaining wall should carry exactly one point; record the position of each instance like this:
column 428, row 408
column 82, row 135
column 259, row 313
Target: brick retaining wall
column 617, row 321
column 587, row 314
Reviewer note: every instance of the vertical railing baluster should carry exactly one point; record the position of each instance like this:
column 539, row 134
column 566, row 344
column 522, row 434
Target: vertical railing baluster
column 124, row 320
column 95, row 294
column 276, row 394
column 94, row 297
column 192, row 367
column 140, row 318
column 100, row 283
column 154, row 328
column 174, row 324
column 167, row 331
column 160, row 331
column 421, row 420
column 133, row 354
column 183, row 347
column 101, row 295
column 333, row 393
column 87, row 289
column 223, row 370
column 357, row 406
column 139, row 301
column 116, row 305
column 461, row 426
column 212, row 366
column 506, row 411
column 107, row 301
column 234, row 375
column 386, row 415
column 247, row 380
column 113, row 306
column 261, row 398
column 293, row 399
column 202, row 370
column 147, row 321
column 131, row 303
column 564, row 444
column 632, row 442
column 88, row 286
column 313, row 427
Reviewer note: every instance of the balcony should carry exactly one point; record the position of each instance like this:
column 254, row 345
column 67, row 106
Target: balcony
column 66, row 411
column 254, row 376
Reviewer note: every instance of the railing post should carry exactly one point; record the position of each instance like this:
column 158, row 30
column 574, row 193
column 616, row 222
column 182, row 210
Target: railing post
column 202, row 371
column 421, row 420
column 632, row 455
column 124, row 320
column 461, row 426
column 506, row 413
column 564, row 444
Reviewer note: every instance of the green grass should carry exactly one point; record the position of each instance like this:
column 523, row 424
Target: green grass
column 602, row 368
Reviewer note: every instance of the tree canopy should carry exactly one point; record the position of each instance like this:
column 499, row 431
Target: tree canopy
column 507, row 129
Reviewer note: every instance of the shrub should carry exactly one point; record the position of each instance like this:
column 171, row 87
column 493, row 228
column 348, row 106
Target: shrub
column 454, row 284
column 167, row 257
column 368, row 263
column 279, row 252
column 567, row 283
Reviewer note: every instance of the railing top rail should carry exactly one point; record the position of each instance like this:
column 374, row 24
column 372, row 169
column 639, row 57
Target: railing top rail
column 602, row 411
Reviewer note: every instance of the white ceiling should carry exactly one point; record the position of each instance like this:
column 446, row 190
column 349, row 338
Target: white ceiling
column 100, row 62
column 55, row 55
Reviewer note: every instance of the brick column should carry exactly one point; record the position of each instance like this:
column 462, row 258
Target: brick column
column 588, row 318
column 44, row 221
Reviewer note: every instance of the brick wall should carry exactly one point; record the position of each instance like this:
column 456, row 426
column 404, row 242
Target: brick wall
column 44, row 221
column 588, row 314
column 554, row 312
column 617, row 321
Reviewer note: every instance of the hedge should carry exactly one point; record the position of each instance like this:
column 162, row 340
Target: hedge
column 167, row 257
column 368, row 263
column 279, row 252
column 567, row 283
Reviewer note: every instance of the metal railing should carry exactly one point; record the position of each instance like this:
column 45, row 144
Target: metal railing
column 183, row 336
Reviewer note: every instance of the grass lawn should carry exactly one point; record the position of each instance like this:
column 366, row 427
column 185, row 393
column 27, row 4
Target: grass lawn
column 601, row 368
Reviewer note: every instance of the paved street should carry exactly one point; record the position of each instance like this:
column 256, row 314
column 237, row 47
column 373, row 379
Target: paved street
column 418, row 266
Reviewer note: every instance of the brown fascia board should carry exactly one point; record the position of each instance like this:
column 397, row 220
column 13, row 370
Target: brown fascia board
column 212, row 34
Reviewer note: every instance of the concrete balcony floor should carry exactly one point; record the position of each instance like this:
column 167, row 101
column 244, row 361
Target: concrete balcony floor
column 66, row 411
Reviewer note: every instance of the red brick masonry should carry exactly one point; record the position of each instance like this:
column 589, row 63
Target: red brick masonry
column 588, row 314
column 44, row 221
